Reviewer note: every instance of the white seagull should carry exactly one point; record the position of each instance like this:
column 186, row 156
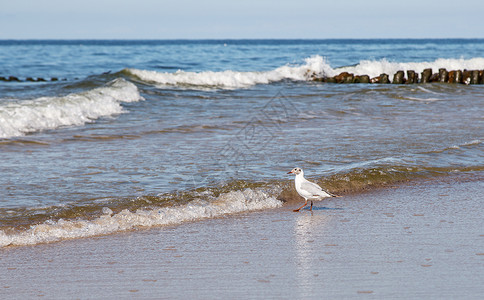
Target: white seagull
column 307, row 189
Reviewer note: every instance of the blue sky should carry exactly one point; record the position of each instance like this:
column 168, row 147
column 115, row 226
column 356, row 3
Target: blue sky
column 213, row 19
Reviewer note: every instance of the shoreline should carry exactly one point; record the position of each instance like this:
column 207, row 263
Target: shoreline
column 420, row 239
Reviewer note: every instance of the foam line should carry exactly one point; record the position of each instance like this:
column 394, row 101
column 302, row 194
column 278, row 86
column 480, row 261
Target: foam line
column 314, row 65
column 227, row 203
column 27, row 116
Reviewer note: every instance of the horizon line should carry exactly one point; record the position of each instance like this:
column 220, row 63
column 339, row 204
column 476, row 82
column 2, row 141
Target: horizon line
column 233, row 39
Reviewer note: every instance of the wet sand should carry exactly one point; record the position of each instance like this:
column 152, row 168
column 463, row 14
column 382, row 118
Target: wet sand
column 421, row 240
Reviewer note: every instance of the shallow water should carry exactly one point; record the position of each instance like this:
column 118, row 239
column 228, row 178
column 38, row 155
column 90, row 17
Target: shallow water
column 421, row 240
column 147, row 125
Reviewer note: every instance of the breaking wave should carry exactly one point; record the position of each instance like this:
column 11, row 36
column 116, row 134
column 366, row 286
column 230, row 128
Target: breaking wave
column 374, row 68
column 312, row 66
column 204, row 206
column 107, row 216
column 27, row 116
column 232, row 79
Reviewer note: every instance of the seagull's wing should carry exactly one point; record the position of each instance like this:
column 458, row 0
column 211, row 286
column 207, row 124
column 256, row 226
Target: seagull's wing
column 311, row 187
column 314, row 189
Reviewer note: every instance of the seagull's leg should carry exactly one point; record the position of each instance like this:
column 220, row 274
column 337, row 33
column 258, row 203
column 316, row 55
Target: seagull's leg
column 311, row 205
column 305, row 203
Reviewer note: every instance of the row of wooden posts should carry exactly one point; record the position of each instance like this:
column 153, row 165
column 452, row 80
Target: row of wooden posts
column 455, row 76
column 39, row 79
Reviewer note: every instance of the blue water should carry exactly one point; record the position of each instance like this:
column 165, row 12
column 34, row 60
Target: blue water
column 81, row 58
column 129, row 120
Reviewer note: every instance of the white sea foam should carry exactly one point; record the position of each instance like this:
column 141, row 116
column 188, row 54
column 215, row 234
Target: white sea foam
column 423, row 99
column 467, row 144
column 473, row 142
column 374, row 68
column 17, row 119
column 228, row 203
column 315, row 65
column 232, row 79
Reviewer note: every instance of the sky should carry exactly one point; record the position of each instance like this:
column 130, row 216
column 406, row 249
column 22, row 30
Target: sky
column 217, row 19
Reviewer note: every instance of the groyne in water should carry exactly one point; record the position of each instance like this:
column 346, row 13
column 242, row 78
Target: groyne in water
column 427, row 76
column 412, row 77
column 31, row 79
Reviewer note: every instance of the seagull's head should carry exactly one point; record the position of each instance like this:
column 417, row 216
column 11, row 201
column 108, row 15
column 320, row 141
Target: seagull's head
column 296, row 171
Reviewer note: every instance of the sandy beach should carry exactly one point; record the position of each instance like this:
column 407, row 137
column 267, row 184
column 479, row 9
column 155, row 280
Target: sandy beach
column 420, row 240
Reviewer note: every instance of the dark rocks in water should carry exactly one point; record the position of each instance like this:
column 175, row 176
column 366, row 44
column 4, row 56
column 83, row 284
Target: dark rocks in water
column 12, row 78
column 466, row 77
column 474, row 77
column 458, row 76
column 426, row 76
column 361, row 79
column 398, row 78
column 411, row 78
column 443, row 75
column 318, row 79
column 434, row 77
column 384, row 78
column 365, row 79
column 29, row 79
column 455, row 76
column 451, row 77
column 321, row 79
column 375, row 80
column 344, row 77
column 349, row 78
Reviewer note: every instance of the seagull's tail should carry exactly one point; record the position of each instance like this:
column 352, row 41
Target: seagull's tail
column 333, row 195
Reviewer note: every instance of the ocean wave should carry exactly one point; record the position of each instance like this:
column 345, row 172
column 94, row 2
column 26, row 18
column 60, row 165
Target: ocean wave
column 22, row 117
column 374, row 68
column 472, row 143
column 106, row 216
column 312, row 66
column 110, row 222
column 232, row 79
column 455, row 147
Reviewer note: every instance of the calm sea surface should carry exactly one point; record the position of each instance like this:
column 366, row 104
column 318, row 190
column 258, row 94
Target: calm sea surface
column 165, row 129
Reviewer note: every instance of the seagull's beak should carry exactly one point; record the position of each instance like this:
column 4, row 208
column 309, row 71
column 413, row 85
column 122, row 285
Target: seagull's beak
column 289, row 172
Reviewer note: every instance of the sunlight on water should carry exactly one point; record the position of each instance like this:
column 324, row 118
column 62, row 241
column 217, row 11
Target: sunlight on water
column 221, row 119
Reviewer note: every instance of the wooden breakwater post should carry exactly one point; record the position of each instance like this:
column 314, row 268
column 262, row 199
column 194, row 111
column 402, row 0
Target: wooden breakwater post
column 383, row 79
column 427, row 76
column 361, row 79
column 412, row 77
column 443, row 75
column 28, row 79
column 455, row 76
column 474, row 77
column 398, row 78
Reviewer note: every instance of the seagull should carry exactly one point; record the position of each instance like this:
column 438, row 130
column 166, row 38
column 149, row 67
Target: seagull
column 307, row 189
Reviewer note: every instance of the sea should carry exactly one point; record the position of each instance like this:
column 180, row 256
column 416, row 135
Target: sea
column 104, row 136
